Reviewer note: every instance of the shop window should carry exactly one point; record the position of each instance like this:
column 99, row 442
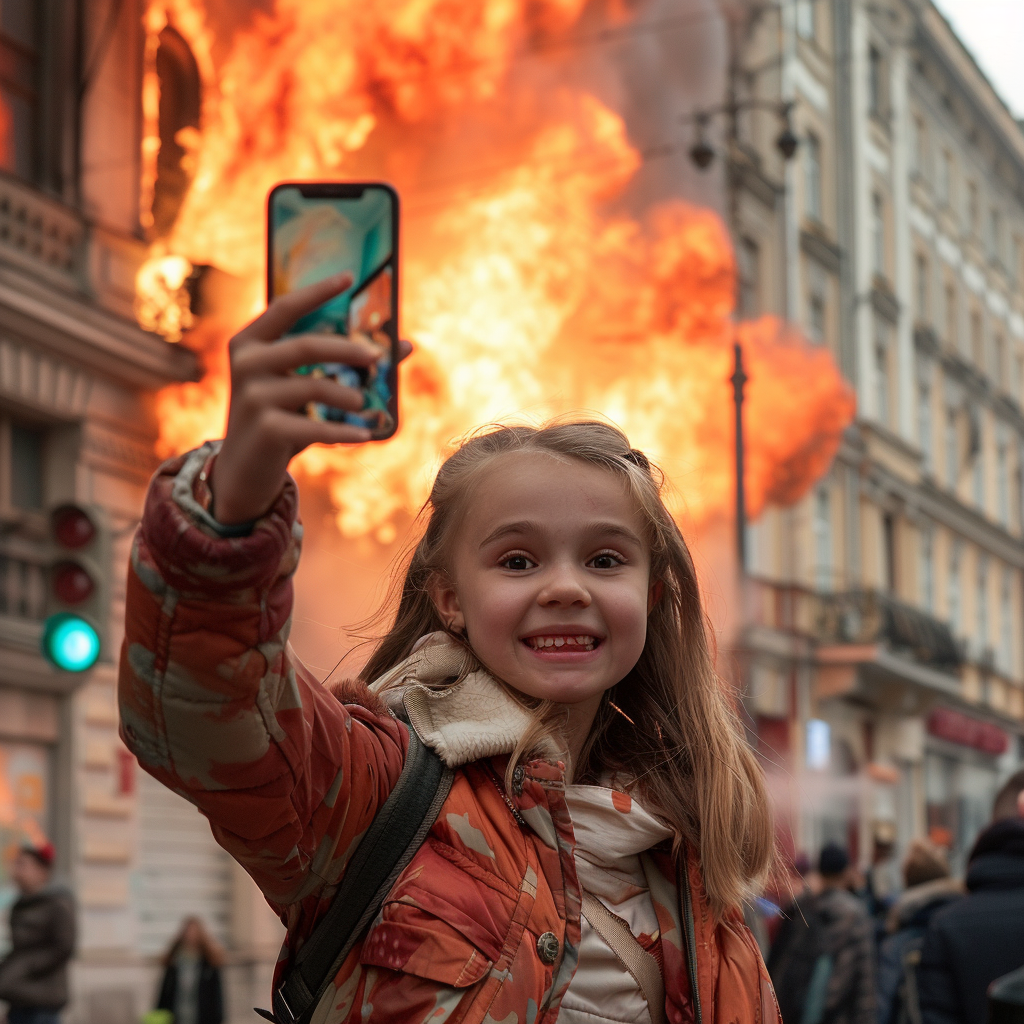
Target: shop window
column 24, row 803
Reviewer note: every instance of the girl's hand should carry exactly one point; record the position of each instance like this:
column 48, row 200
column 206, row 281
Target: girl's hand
column 267, row 422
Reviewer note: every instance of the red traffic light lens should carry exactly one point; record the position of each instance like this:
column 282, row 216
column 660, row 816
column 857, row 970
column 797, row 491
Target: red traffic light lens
column 71, row 583
column 72, row 528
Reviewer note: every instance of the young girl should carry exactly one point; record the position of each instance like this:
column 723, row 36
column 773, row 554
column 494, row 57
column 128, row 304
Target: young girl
column 549, row 645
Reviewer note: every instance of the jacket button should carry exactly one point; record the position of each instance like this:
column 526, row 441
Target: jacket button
column 547, row 948
column 518, row 775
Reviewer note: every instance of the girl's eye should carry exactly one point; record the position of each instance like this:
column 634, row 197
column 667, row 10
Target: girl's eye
column 517, row 562
column 606, row 561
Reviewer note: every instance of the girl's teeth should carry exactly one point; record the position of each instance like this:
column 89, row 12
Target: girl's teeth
column 541, row 642
column 559, row 641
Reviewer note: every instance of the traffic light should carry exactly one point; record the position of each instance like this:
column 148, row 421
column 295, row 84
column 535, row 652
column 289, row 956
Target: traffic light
column 78, row 595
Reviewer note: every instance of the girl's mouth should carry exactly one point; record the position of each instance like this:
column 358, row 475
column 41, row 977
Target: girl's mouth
column 566, row 643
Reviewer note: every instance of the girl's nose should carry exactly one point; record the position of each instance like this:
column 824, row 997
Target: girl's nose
column 563, row 586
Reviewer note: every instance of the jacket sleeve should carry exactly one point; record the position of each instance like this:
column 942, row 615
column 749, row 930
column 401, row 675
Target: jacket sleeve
column 936, row 989
column 214, row 706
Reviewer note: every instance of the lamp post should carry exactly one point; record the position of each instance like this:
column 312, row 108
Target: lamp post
column 703, row 155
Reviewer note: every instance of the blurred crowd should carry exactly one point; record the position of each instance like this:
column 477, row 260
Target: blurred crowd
column 843, row 949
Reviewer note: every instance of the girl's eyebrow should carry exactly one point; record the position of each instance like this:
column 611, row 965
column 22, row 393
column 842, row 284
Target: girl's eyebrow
column 605, row 529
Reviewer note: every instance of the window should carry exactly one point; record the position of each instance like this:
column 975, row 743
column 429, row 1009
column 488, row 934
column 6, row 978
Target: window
column 999, row 367
column 27, row 452
column 995, row 236
column 876, row 82
column 1003, row 483
column 878, row 234
column 944, row 179
column 928, row 569
column 882, row 402
column 806, row 19
column 918, row 146
column 1006, row 623
column 977, row 340
column 972, row 208
column 1018, row 261
column 952, row 448
column 954, row 608
column 749, row 254
column 19, row 82
column 924, row 424
column 822, row 539
column 180, row 101
column 817, row 303
column 921, row 286
column 889, row 551
column 981, row 603
column 976, row 453
column 812, row 176
column 951, row 315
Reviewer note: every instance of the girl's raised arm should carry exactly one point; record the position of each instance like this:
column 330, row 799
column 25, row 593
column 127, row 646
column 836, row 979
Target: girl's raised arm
column 211, row 703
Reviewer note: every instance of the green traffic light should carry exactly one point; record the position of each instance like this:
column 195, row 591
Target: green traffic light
column 70, row 642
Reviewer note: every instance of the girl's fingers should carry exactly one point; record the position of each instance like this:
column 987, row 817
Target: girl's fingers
column 300, row 432
column 293, row 393
column 303, row 350
column 286, row 309
column 404, row 349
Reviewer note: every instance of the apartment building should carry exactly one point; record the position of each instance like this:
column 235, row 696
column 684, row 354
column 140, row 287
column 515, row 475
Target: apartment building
column 884, row 654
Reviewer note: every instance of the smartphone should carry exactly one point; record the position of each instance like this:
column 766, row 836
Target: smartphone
column 316, row 229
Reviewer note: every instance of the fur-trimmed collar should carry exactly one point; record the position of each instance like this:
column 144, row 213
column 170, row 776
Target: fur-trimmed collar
column 465, row 721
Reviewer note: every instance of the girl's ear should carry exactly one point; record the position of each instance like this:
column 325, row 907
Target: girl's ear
column 446, row 601
column 654, row 595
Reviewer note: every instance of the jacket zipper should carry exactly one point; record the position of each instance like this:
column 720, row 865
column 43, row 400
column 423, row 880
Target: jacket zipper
column 691, row 935
column 504, row 796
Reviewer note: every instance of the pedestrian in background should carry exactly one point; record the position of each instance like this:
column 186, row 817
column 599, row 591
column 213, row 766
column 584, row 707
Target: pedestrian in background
column 981, row 937
column 191, row 985
column 34, row 974
column 928, row 889
column 822, row 962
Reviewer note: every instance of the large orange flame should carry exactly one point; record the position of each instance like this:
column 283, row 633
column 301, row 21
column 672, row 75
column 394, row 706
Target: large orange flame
column 528, row 289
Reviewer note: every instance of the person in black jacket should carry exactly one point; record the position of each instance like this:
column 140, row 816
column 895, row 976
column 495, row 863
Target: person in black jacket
column 191, row 985
column 928, row 889
column 981, row 937
column 34, row 974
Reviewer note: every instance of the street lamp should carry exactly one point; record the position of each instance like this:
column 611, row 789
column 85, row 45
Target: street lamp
column 703, row 154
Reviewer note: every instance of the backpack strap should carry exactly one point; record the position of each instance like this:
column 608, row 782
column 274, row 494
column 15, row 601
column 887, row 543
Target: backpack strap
column 396, row 833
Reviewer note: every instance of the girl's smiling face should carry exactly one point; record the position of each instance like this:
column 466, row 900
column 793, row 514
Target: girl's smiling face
column 550, row 578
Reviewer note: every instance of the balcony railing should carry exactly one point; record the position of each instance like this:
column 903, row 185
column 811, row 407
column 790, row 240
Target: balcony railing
column 854, row 617
column 23, row 568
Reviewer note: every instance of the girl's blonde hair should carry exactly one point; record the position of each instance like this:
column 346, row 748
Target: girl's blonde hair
column 682, row 741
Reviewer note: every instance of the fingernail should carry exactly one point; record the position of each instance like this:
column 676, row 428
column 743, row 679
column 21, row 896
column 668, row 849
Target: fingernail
column 342, row 280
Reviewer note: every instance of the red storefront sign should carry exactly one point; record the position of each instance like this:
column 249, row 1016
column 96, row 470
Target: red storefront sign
column 968, row 732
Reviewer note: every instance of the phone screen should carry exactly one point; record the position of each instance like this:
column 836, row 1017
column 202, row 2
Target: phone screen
column 319, row 229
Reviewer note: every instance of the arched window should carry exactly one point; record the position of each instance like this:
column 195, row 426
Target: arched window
column 180, row 97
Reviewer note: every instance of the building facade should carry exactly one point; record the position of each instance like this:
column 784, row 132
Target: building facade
column 77, row 424
column 883, row 650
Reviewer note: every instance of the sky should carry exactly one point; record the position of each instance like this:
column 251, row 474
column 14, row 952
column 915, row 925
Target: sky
column 993, row 30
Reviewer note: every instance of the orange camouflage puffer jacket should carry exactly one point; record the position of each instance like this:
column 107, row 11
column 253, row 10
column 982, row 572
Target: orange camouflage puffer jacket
column 215, row 707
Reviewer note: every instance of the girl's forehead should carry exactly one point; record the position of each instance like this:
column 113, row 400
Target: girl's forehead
column 550, row 486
